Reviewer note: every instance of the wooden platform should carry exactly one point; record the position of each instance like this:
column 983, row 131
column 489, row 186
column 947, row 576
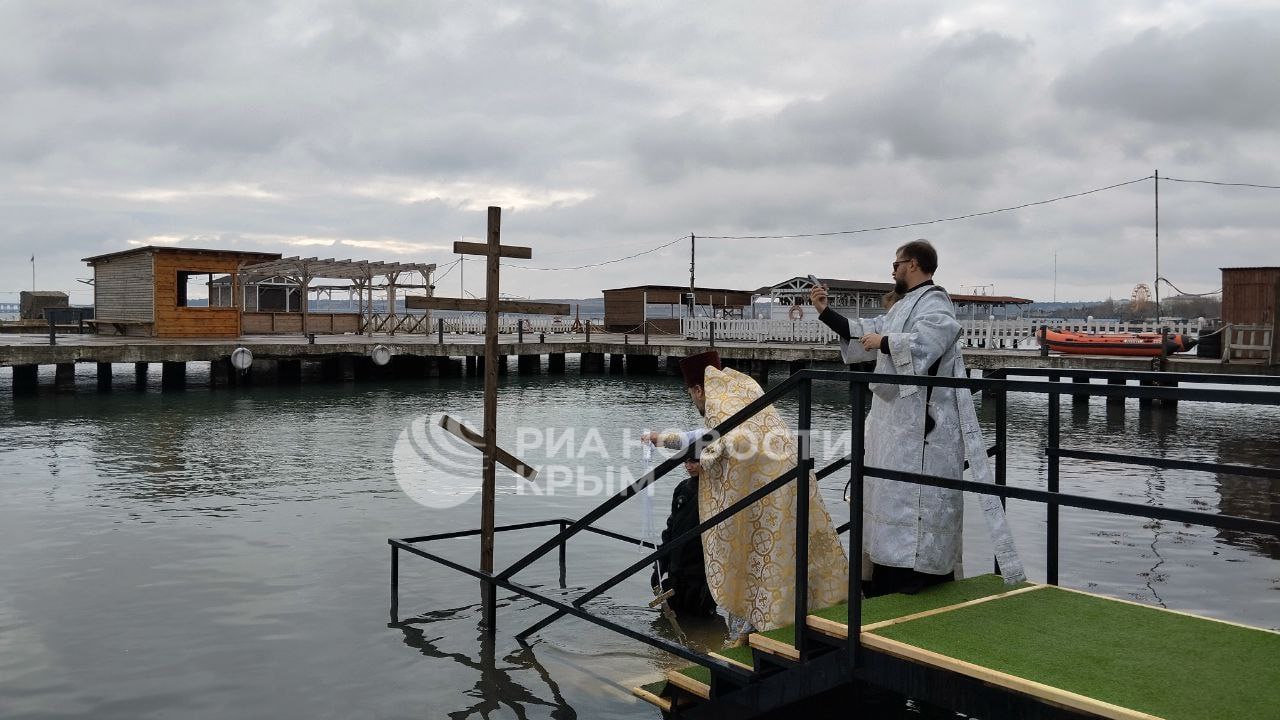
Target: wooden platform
column 34, row 349
column 1088, row 654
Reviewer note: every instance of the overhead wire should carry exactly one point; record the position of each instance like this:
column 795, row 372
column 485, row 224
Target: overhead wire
column 928, row 222
column 606, row 262
column 898, row 226
column 1165, row 280
column 1224, row 184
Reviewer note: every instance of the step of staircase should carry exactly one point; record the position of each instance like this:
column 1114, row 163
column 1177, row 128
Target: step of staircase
column 693, row 683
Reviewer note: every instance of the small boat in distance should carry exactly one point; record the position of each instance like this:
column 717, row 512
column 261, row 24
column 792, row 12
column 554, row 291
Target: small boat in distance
column 1132, row 344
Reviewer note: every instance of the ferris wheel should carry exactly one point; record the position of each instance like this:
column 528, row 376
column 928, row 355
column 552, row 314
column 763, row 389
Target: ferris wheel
column 1141, row 295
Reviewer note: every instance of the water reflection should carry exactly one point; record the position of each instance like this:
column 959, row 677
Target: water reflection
column 496, row 686
column 1250, row 497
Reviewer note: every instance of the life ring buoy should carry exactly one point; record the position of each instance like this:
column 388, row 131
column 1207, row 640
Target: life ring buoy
column 796, row 312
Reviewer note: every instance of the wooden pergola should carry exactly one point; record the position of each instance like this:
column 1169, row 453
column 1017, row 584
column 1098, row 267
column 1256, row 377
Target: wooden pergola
column 361, row 274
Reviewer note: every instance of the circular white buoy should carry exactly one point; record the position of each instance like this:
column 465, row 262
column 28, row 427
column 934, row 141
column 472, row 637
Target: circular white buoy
column 241, row 358
column 796, row 312
column 381, row 354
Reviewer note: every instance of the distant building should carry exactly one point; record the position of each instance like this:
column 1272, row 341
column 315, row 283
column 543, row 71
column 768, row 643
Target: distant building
column 33, row 303
column 627, row 309
column 854, row 298
column 862, row 298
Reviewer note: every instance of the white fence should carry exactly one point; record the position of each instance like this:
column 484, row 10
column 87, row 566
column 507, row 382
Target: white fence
column 987, row 333
column 1248, row 342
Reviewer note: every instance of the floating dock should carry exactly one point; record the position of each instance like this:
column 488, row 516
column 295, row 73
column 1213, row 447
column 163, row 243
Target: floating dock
column 979, row 646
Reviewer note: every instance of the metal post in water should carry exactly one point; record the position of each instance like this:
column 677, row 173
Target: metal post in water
column 857, row 398
column 53, row 338
column 802, row 517
column 1051, row 541
column 395, row 584
column 563, row 544
column 1002, row 437
column 440, row 329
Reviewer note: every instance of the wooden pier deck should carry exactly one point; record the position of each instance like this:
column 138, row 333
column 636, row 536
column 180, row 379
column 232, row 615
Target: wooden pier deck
column 1043, row 646
column 32, row 349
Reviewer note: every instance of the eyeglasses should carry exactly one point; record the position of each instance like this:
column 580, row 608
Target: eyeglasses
column 896, row 263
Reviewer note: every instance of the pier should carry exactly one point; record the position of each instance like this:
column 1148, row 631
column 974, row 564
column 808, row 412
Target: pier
column 352, row 357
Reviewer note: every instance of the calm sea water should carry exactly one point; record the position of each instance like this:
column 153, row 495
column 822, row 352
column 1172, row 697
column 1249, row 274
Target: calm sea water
column 223, row 554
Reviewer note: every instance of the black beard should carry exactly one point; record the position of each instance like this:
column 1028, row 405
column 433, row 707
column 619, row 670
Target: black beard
column 900, row 287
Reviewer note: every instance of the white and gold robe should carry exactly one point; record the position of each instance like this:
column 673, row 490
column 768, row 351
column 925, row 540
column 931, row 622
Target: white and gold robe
column 751, row 557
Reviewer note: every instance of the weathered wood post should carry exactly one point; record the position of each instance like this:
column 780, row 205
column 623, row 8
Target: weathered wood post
column 493, row 364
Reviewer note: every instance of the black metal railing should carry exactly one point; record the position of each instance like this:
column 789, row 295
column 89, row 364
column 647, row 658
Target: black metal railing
column 996, row 386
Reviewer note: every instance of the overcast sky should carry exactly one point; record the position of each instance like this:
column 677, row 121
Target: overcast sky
column 382, row 131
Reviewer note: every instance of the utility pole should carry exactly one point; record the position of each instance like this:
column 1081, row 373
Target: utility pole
column 1156, row 285
column 1055, row 276
column 693, row 241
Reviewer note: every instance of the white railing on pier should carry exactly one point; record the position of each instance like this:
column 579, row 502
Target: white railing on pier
column 986, row 333
column 506, row 325
column 409, row 323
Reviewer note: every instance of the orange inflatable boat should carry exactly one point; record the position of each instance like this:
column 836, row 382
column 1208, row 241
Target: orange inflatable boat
column 1140, row 344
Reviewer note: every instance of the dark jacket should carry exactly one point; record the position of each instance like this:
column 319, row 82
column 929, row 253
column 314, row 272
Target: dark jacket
column 684, row 569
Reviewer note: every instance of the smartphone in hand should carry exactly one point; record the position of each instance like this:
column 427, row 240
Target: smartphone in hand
column 814, row 281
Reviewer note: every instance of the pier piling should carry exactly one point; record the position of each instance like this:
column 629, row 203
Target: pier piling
column 140, row 375
column 555, row 364
column 617, row 364
column 221, row 373
column 26, row 379
column 64, row 377
column 173, row 375
column 1115, row 400
column 592, row 363
column 529, row 364
column 289, row 372
column 1080, row 398
column 104, row 376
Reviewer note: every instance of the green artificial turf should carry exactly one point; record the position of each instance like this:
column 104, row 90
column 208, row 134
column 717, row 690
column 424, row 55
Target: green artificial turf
column 1173, row 666
column 887, row 607
column 697, row 672
column 741, row 653
column 875, row 609
column 657, row 688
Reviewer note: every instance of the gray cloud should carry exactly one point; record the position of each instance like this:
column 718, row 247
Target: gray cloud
column 605, row 128
column 1218, row 75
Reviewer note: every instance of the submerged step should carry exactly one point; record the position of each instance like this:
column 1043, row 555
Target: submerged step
column 652, row 693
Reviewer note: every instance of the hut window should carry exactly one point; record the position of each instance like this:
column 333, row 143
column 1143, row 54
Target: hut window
column 220, row 287
column 193, row 288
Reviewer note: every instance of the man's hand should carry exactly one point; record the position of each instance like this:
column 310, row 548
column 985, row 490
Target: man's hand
column 650, row 437
column 871, row 341
column 693, row 467
column 818, row 297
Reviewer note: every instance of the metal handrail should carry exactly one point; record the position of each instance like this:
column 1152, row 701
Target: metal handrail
column 995, row 383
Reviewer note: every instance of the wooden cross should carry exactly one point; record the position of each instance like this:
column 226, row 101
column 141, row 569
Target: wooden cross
column 492, row 250
column 476, row 440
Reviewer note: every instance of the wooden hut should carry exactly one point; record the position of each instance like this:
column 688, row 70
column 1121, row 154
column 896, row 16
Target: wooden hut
column 34, row 302
column 166, row 291
column 626, row 309
column 1251, row 307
